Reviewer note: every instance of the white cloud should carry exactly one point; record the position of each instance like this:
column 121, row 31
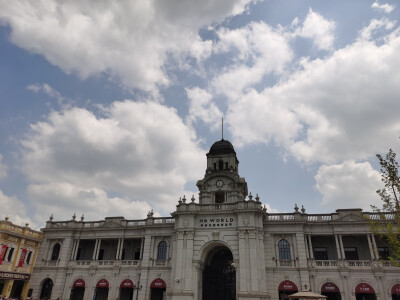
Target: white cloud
column 15, row 210
column 62, row 199
column 387, row 8
column 202, row 108
column 139, row 155
column 3, row 168
column 254, row 118
column 348, row 185
column 318, row 28
column 48, row 90
column 129, row 40
column 338, row 108
column 366, row 34
column 260, row 50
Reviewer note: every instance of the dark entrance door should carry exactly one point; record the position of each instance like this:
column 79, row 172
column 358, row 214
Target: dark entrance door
column 101, row 293
column 332, row 296
column 47, row 287
column 77, row 293
column 157, row 294
column 126, row 293
column 219, row 276
column 17, row 289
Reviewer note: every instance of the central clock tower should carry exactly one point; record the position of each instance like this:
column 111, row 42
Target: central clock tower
column 221, row 183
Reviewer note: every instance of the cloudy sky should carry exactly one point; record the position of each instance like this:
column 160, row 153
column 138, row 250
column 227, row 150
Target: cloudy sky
column 108, row 108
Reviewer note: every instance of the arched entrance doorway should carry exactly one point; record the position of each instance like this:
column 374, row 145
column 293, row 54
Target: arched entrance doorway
column 396, row 292
column 331, row 291
column 219, row 276
column 157, row 289
column 126, row 290
column 365, row 292
column 78, row 290
column 286, row 288
column 101, row 292
column 47, row 287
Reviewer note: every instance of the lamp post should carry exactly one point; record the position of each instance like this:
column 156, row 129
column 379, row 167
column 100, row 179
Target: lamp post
column 137, row 288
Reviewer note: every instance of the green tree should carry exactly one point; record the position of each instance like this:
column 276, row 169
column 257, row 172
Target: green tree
column 387, row 225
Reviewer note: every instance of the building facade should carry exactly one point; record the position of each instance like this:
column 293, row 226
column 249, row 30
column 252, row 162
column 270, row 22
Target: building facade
column 18, row 250
column 224, row 245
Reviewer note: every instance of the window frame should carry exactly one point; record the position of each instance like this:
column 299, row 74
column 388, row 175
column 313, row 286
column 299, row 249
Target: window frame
column 162, row 250
column 284, row 250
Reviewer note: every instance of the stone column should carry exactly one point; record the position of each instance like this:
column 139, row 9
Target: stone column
column 179, row 260
column 141, row 248
column 242, row 261
column 121, row 248
column 371, row 251
column 74, row 247
column 188, row 282
column 306, row 246
column 376, row 252
column 339, row 254
column 310, row 247
column 118, row 249
column 253, row 257
column 262, row 278
column 341, row 247
column 25, row 290
column 346, row 291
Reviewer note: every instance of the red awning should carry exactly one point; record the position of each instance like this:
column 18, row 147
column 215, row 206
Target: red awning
column 364, row 288
column 287, row 285
column 329, row 287
column 158, row 283
column 102, row 284
column 396, row 289
column 127, row 283
column 79, row 283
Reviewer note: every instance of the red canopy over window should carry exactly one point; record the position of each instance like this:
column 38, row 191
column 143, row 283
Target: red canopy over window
column 396, row 289
column 287, row 285
column 102, row 284
column 364, row 288
column 158, row 283
column 329, row 287
column 79, row 283
column 127, row 283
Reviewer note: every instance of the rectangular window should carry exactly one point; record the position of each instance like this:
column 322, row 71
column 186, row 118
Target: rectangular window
column 10, row 254
column 78, row 254
column 383, row 253
column 123, row 254
column 351, row 253
column 320, row 253
column 137, row 254
column 28, row 257
column 101, row 254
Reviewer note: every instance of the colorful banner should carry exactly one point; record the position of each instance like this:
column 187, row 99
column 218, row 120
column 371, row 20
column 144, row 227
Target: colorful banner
column 2, row 253
column 22, row 258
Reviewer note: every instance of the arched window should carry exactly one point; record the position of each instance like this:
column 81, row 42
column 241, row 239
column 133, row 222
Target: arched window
column 47, row 288
column 162, row 250
column 220, row 165
column 284, row 250
column 56, row 251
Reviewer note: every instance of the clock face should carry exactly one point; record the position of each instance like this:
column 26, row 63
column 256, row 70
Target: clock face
column 219, row 184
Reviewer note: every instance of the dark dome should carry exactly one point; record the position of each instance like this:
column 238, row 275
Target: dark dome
column 221, row 147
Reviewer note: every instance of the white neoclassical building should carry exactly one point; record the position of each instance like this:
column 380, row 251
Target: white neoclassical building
column 222, row 246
